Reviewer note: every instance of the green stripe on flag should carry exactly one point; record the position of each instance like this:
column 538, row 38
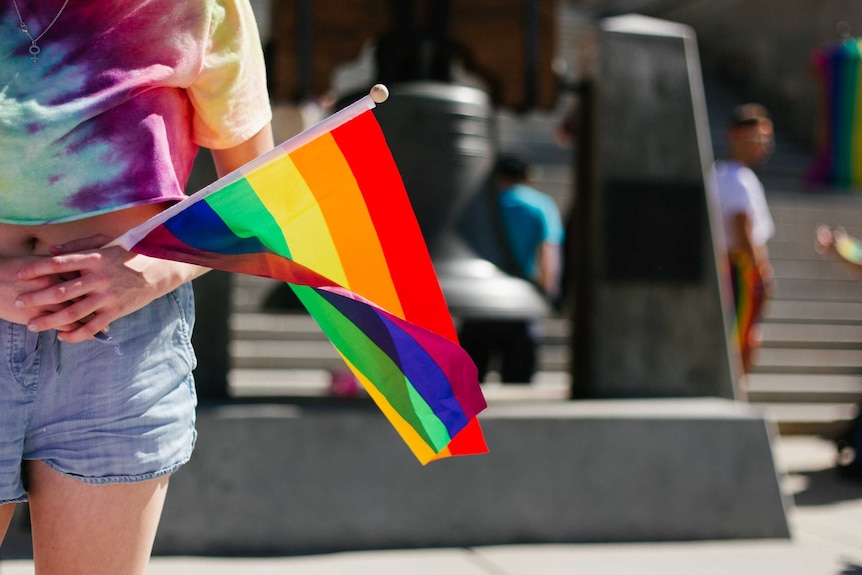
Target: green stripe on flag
column 242, row 211
column 375, row 365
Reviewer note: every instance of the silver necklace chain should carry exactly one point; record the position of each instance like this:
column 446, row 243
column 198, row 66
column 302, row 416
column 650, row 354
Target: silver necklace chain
column 34, row 48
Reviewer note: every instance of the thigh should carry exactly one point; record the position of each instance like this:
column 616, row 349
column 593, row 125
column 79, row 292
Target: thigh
column 79, row 528
column 748, row 293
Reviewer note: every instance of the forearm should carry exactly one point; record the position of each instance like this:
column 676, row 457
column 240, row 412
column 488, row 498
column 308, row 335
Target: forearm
column 758, row 255
column 169, row 274
column 229, row 159
column 165, row 275
column 549, row 269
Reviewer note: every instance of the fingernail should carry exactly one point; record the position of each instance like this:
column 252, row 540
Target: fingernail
column 32, row 326
column 19, row 304
column 58, row 246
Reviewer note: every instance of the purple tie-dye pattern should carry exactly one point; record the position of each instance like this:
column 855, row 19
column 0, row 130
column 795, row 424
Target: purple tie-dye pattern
column 152, row 130
column 104, row 119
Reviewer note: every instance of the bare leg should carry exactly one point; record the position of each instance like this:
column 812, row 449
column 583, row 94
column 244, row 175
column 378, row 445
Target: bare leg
column 6, row 512
column 83, row 529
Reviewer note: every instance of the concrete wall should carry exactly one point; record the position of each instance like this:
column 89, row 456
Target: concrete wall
column 280, row 479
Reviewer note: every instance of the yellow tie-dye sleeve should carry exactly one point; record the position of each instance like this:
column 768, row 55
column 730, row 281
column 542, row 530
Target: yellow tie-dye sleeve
column 229, row 96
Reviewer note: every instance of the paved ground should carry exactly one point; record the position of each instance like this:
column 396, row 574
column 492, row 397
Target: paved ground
column 826, row 522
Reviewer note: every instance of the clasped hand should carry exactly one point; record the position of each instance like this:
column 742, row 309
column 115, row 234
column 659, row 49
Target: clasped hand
column 80, row 288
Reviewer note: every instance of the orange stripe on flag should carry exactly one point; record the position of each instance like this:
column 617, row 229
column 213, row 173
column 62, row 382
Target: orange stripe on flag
column 330, row 178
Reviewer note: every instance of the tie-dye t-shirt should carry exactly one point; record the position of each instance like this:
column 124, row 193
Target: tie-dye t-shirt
column 111, row 114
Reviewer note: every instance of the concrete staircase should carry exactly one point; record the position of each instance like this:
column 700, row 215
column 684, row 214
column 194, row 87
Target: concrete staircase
column 808, row 374
column 286, row 354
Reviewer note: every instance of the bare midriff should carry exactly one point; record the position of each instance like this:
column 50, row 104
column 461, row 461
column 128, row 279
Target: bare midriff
column 17, row 240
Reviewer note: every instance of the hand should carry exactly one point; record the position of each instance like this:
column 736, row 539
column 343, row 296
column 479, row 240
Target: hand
column 12, row 287
column 99, row 285
column 824, row 241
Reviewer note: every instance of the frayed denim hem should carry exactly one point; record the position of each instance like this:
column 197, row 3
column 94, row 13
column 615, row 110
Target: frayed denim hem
column 119, row 479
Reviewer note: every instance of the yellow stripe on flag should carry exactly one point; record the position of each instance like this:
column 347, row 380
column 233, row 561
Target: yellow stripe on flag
column 287, row 196
column 332, row 182
column 414, row 441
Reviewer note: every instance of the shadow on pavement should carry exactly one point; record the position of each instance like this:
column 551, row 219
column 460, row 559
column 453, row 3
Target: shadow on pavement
column 829, row 486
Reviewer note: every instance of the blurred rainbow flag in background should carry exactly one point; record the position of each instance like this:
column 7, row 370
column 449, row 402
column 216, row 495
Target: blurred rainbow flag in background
column 327, row 212
column 839, row 158
column 847, row 246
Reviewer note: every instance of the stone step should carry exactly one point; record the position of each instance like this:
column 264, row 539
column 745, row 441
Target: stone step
column 803, row 415
column 808, row 269
column 811, row 335
column 819, row 361
column 803, row 388
column 320, row 354
column 269, row 354
column 823, row 419
column 800, row 224
column 253, row 326
column 295, row 326
column 801, row 311
column 250, row 293
column 790, row 208
column 308, row 382
column 840, row 290
column 802, row 248
column 243, row 382
column 813, row 417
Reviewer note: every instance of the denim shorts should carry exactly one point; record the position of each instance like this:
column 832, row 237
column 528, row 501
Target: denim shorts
column 97, row 412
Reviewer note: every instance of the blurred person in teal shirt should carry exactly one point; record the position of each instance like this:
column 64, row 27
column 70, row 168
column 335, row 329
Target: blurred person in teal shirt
column 533, row 234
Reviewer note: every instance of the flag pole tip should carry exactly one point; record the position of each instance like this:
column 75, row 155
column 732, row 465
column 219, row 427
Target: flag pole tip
column 379, row 93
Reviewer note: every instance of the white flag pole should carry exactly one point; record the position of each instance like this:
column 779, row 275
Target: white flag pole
column 378, row 94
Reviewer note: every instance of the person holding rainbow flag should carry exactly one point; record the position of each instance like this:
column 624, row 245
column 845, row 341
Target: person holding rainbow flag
column 103, row 108
column 747, row 221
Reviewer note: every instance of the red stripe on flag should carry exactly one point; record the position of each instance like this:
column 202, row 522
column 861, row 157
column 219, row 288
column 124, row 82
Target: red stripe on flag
column 469, row 441
column 364, row 147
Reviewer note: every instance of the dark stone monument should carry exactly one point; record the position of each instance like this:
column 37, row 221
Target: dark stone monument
column 655, row 325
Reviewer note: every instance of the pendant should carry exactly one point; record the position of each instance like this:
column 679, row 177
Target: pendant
column 34, row 51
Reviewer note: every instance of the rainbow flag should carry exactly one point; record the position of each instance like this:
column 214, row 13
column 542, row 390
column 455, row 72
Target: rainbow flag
column 847, row 246
column 327, row 212
column 838, row 161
